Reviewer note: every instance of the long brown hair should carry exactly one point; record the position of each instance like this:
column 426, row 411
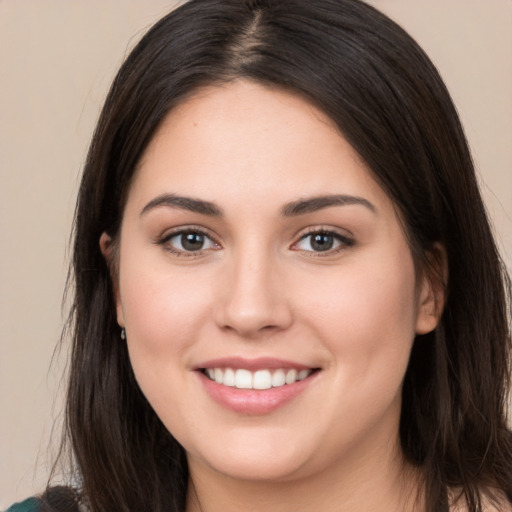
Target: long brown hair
column 390, row 103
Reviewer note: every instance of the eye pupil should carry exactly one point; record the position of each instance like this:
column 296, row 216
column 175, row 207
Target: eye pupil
column 192, row 241
column 322, row 242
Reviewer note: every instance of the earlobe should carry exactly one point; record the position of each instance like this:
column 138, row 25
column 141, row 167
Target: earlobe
column 432, row 295
column 111, row 257
column 106, row 247
column 428, row 317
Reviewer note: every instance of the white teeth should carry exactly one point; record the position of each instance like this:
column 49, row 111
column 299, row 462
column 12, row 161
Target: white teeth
column 303, row 374
column 291, row 376
column 229, row 377
column 261, row 379
column 278, row 378
column 243, row 379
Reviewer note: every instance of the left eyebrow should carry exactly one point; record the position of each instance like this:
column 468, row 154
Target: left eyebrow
column 313, row 204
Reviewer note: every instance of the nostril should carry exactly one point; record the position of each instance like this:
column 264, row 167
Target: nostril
column 253, row 322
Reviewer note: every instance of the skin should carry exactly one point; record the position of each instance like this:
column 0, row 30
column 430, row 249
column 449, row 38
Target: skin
column 258, row 289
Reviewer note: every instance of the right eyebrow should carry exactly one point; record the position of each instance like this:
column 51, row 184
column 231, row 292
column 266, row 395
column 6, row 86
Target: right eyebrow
column 183, row 203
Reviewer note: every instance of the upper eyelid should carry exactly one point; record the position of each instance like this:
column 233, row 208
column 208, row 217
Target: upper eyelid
column 338, row 236
column 169, row 233
column 343, row 233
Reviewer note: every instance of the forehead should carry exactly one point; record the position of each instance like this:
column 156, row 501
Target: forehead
column 244, row 137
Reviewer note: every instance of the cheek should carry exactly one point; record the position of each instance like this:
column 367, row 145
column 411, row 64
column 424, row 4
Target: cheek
column 364, row 298
column 366, row 316
column 162, row 312
column 366, row 320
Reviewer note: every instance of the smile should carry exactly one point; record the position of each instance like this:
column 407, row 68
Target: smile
column 260, row 379
column 255, row 386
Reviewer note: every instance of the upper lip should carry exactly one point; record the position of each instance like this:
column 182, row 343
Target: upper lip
column 260, row 363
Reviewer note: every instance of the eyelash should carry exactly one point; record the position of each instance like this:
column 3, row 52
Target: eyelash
column 343, row 241
column 165, row 241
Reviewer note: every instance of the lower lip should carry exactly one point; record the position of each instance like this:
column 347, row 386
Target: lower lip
column 253, row 401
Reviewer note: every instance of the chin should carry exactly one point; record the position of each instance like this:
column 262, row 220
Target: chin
column 256, row 462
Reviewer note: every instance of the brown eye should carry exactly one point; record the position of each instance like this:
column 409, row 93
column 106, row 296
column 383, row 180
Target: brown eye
column 323, row 241
column 190, row 241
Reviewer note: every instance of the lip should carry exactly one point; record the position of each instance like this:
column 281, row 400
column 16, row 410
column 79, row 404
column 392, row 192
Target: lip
column 260, row 363
column 251, row 401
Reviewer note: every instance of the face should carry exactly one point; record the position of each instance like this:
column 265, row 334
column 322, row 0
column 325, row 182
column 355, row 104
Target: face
column 267, row 289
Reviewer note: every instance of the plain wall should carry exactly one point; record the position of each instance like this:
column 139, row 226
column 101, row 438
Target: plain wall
column 57, row 59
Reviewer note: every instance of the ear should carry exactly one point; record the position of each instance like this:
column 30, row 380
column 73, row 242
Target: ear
column 108, row 249
column 432, row 291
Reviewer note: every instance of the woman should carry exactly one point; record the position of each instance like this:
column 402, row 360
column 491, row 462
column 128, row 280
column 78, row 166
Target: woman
column 287, row 292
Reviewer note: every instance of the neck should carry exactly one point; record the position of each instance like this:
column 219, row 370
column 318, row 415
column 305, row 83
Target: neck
column 385, row 483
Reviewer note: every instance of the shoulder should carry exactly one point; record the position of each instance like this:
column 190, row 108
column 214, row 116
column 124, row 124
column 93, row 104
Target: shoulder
column 58, row 498
column 29, row 505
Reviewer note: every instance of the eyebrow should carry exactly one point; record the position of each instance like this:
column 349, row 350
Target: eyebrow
column 184, row 203
column 295, row 208
column 313, row 204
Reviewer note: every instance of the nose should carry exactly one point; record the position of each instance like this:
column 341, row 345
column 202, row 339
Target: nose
column 253, row 301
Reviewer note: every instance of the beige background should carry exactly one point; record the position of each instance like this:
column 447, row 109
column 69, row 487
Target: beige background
column 57, row 58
